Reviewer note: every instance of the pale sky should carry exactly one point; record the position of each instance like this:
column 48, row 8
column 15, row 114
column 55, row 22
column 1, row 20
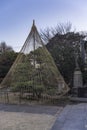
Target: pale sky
column 16, row 17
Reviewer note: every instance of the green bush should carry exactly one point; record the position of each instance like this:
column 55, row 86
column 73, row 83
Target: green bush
column 38, row 90
column 29, row 86
column 51, row 91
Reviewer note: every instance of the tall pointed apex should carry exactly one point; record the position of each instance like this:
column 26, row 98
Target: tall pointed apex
column 33, row 26
column 33, row 22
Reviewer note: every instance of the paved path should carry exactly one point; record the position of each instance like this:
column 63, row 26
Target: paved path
column 35, row 109
column 73, row 117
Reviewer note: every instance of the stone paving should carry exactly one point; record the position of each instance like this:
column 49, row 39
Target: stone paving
column 33, row 117
column 73, row 117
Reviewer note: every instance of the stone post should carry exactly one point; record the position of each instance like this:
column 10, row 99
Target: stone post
column 77, row 79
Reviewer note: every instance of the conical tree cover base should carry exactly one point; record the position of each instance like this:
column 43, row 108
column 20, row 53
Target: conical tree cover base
column 34, row 69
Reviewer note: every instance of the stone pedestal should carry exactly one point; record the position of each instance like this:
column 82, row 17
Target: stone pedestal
column 77, row 81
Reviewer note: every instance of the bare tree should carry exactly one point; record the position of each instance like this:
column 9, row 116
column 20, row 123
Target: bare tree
column 61, row 28
column 46, row 34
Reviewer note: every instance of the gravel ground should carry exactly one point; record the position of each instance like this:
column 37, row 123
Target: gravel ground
column 18, row 117
column 24, row 121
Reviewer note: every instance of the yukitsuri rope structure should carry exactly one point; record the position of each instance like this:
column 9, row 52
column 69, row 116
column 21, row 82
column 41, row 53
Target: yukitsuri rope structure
column 34, row 73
